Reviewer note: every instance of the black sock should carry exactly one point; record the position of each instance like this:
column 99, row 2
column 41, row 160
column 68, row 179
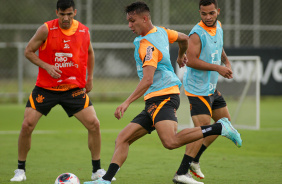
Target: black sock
column 214, row 129
column 21, row 165
column 113, row 169
column 202, row 149
column 185, row 165
column 96, row 165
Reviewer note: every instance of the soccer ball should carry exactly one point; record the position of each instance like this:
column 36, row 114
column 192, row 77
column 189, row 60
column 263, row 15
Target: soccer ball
column 67, row 178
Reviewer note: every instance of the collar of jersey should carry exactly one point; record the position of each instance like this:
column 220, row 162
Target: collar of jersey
column 72, row 29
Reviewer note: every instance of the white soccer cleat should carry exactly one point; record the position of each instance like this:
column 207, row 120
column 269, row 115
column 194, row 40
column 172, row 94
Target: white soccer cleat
column 185, row 179
column 19, row 175
column 99, row 174
column 196, row 170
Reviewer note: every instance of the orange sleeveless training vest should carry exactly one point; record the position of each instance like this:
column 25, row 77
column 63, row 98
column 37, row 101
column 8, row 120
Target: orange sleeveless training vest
column 68, row 53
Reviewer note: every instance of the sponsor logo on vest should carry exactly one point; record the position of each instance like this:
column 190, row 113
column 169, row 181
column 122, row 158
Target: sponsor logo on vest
column 70, row 78
column 213, row 57
column 212, row 87
column 66, row 46
column 62, row 60
column 82, row 30
column 52, row 28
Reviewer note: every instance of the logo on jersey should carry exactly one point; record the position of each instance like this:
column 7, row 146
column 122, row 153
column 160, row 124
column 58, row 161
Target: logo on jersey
column 52, row 28
column 63, row 60
column 149, row 53
column 66, row 45
column 40, row 98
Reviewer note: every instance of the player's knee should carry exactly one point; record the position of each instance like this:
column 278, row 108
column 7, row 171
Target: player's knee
column 169, row 145
column 94, row 124
column 27, row 126
column 121, row 139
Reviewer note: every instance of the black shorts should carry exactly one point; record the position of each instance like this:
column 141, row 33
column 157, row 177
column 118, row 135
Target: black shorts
column 72, row 101
column 206, row 104
column 158, row 109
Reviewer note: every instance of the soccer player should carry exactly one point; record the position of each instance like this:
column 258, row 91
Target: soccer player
column 160, row 87
column 205, row 55
column 65, row 57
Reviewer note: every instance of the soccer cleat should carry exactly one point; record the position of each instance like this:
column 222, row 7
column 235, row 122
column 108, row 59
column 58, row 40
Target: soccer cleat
column 196, row 170
column 99, row 181
column 99, row 174
column 185, row 179
column 230, row 132
column 19, row 175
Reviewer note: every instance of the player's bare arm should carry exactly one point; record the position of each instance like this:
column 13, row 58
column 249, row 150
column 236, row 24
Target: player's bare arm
column 90, row 69
column 226, row 62
column 36, row 41
column 142, row 87
column 183, row 46
column 194, row 50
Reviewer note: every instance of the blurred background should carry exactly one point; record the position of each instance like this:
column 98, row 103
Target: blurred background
column 251, row 28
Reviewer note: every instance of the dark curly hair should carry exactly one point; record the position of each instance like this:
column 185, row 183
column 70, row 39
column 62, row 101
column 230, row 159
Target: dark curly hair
column 138, row 7
column 208, row 2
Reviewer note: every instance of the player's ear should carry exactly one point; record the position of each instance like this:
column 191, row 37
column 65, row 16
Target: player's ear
column 146, row 18
column 218, row 11
column 75, row 12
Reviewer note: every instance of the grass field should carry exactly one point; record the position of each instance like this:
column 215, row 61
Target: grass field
column 59, row 144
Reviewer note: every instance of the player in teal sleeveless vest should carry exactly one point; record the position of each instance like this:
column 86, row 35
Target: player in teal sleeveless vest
column 164, row 76
column 158, row 81
column 203, row 83
column 205, row 56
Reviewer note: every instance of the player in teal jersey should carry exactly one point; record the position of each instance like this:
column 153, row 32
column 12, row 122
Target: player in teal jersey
column 205, row 56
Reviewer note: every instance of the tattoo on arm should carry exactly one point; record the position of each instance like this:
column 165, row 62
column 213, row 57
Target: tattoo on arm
column 223, row 58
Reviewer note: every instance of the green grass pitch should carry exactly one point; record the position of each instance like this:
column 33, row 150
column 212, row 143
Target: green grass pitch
column 59, row 144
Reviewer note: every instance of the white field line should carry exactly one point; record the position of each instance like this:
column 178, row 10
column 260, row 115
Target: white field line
column 11, row 132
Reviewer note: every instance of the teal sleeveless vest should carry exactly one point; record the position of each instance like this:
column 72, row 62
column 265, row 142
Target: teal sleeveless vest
column 200, row 82
column 164, row 76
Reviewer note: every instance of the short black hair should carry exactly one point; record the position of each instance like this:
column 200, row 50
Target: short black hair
column 207, row 2
column 65, row 4
column 138, row 7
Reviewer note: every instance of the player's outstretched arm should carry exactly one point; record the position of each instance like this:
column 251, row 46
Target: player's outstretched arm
column 142, row 87
column 33, row 45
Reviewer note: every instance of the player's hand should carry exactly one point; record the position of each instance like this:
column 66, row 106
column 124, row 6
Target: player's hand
column 53, row 71
column 225, row 72
column 182, row 61
column 120, row 110
column 89, row 85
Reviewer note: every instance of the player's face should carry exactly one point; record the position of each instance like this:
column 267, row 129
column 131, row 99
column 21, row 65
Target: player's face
column 135, row 23
column 209, row 14
column 66, row 17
